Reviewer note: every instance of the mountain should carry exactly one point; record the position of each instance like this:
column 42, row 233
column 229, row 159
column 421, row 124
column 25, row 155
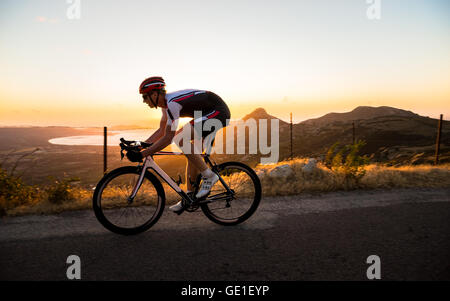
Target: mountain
column 391, row 134
column 359, row 113
column 261, row 113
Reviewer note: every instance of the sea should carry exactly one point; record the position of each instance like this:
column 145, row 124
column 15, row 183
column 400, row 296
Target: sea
column 113, row 138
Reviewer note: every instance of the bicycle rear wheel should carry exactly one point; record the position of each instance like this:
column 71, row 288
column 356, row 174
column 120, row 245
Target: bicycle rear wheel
column 231, row 208
column 116, row 213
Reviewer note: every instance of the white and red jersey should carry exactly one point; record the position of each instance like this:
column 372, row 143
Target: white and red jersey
column 184, row 103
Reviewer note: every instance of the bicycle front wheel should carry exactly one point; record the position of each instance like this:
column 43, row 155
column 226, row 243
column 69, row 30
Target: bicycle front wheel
column 116, row 212
column 235, row 197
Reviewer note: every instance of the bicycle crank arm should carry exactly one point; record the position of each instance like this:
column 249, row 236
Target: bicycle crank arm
column 218, row 197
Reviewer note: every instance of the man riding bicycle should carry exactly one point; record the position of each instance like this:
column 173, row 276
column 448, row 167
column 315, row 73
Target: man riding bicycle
column 178, row 104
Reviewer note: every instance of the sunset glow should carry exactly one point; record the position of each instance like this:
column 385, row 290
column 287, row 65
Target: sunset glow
column 305, row 57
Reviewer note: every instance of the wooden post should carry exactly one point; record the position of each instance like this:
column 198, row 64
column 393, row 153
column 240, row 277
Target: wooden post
column 353, row 125
column 291, row 136
column 105, row 149
column 438, row 141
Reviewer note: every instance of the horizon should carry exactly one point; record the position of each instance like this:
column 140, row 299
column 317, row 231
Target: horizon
column 186, row 119
column 310, row 58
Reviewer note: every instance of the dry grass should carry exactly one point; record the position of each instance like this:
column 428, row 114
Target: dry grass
column 322, row 179
column 406, row 176
column 82, row 200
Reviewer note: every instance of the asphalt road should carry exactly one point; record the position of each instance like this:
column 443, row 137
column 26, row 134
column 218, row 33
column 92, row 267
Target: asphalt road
column 307, row 237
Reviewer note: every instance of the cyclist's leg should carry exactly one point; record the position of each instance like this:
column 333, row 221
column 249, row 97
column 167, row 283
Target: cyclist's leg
column 210, row 124
column 191, row 174
column 192, row 151
column 194, row 164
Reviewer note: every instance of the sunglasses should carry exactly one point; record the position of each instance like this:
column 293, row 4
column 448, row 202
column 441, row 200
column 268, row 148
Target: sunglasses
column 147, row 96
column 148, row 100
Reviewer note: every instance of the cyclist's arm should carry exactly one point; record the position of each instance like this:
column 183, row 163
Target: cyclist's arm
column 161, row 143
column 159, row 132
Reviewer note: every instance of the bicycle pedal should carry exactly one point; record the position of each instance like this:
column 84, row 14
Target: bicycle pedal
column 180, row 211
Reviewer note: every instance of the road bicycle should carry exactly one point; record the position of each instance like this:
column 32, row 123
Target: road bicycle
column 130, row 199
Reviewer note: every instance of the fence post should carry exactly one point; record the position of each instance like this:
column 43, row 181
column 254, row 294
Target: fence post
column 353, row 125
column 438, row 141
column 291, row 136
column 105, row 149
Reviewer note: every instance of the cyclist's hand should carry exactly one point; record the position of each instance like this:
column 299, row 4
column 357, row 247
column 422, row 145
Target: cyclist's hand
column 134, row 156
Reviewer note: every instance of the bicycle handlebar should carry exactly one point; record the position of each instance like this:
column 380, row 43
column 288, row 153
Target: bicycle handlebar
column 133, row 145
column 130, row 145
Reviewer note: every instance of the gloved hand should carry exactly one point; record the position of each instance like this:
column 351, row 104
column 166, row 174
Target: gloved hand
column 134, row 156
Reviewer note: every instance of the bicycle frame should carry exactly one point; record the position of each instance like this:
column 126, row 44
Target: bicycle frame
column 149, row 162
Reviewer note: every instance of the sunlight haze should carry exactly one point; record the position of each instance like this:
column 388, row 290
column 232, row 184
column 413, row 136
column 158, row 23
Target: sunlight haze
column 305, row 57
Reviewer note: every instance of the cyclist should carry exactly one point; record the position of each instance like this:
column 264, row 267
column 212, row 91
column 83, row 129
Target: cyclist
column 178, row 104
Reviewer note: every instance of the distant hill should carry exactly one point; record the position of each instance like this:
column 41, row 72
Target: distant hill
column 390, row 134
column 15, row 138
column 261, row 113
column 359, row 113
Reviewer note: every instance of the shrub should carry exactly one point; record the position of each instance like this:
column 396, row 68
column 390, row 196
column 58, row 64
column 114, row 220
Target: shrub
column 61, row 191
column 347, row 163
column 14, row 193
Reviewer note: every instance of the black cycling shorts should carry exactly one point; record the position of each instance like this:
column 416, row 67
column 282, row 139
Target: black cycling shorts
column 221, row 115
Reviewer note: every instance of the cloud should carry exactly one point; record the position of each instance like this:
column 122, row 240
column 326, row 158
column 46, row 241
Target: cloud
column 42, row 19
column 86, row 52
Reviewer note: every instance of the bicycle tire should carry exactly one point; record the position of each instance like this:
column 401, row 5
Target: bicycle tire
column 206, row 207
column 100, row 210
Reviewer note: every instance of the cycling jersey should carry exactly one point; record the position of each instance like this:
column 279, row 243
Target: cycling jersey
column 184, row 103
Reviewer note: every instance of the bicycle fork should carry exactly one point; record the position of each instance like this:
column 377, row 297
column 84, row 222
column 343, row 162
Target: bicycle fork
column 137, row 186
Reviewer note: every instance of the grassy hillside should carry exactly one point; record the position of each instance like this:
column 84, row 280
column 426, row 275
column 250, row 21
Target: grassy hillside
column 319, row 180
column 392, row 135
column 399, row 147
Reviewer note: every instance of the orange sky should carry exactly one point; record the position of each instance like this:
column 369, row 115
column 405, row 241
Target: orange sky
column 308, row 57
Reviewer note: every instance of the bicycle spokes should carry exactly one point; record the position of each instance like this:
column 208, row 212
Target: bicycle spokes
column 126, row 204
column 231, row 197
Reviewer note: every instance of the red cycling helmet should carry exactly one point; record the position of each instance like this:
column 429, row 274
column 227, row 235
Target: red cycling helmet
column 152, row 83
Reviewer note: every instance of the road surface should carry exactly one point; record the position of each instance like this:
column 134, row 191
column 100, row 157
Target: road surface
column 306, row 237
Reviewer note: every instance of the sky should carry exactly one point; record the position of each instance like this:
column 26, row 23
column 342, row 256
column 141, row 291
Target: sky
column 305, row 57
